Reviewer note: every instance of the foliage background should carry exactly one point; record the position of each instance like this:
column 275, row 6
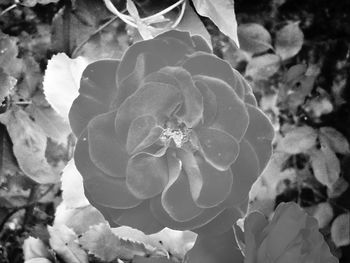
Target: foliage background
column 31, row 33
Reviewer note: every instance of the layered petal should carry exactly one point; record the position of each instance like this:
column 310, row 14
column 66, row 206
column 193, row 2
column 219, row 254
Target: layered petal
column 142, row 102
column 101, row 188
column 143, row 132
column 146, row 175
column 209, row 65
column 232, row 116
column 176, row 197
column 97, row 89
column 260, row 134
column 191, row 110
column 171, row 50
column 209, row 104
column 106, row 147
column 146, row 63
column 218, row 148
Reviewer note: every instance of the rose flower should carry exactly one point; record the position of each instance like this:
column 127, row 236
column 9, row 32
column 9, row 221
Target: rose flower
column 169, row 136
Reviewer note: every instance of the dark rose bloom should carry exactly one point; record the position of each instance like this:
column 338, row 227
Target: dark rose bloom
column 292, row 236
column 169, row 136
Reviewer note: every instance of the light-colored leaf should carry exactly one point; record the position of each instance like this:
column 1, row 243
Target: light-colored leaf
column 142, row 26
column 72, row 187
column 29, row 145
column 340, row 230
column 298, row 140
column 104, row 244
column 6, row 84
column 263, row 67
column 323, row 212
column 62, row 80
column 289, row 40
column 336, row 140
column 222, row 13
column 64, row 241
column 38, row 260
column 254, row 38
column 325, row 164
column 52, row 124
column 338, row 188
column 34, row 248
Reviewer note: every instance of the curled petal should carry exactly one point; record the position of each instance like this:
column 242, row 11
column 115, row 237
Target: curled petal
column 192, row 108
column 146, row 63
column 161, row 77
column 106, row 148
column 170, row 49
column 232, row 116
column 143, row 132
column 219, row 148
column 209, row 104
column 245, row 171
column 209, row 186
column 260, row 134
column 176, row 197
column 141, row 218
column 101, row 188
column 142, row 102
column 209, row 65
column 97, row 89
column 146, row 175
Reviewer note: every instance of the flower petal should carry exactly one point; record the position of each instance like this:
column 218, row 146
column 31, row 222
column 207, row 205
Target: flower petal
column 146, row 175
column 218, row 148
column 245, row 171
column 142, row 102
column 176, row 197
column 192, row 109
column 161, row 77
column 200, row 44
column 103, row 189
column 146, row 63
column 232, row 116
column 260, row 134
column 171, row 50
column 97, row 89
column 179, row 35
column 141, row 218
column 143, row 132
column 106, row 148
column 210, row 65
column 209, row 104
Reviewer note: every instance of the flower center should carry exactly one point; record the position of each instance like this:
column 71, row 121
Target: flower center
column 180, row 134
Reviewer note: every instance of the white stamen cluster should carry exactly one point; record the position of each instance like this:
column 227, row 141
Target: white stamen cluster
column 179, row 136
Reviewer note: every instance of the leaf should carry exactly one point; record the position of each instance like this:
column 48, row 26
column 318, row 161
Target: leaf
column 62, row 80
column 34, row 248
column 63, row 241
column 104, row 244
column 340, row 230
column 139, row 259
column 54, row 126
column 254, row 38
column 323, row 212
column 8, row 56
column 6, row 84
column 29, row 145
column 338, row 188
column 298, row 140
column 31, row 3
column 142, row 26
column 325, row 164
column 222, row 13
column 72, row 187
column 38, row 260
column 263, row 67
column 336, row 140
column 289, row 40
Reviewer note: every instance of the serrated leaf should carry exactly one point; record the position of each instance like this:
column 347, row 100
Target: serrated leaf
column 325, row 164
column 63, row 241
column 289, row 40
column 263, row 67
column 100, row 241
column 295, row 72
column 254, row 38
column 298, row 140
column 340, row 230
column 72, row 187
column 29, row 145
column 338, row 188
column 336, row 140
column 34, row 248
column 54, row 126
column 222, row 13
column 62, row 80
